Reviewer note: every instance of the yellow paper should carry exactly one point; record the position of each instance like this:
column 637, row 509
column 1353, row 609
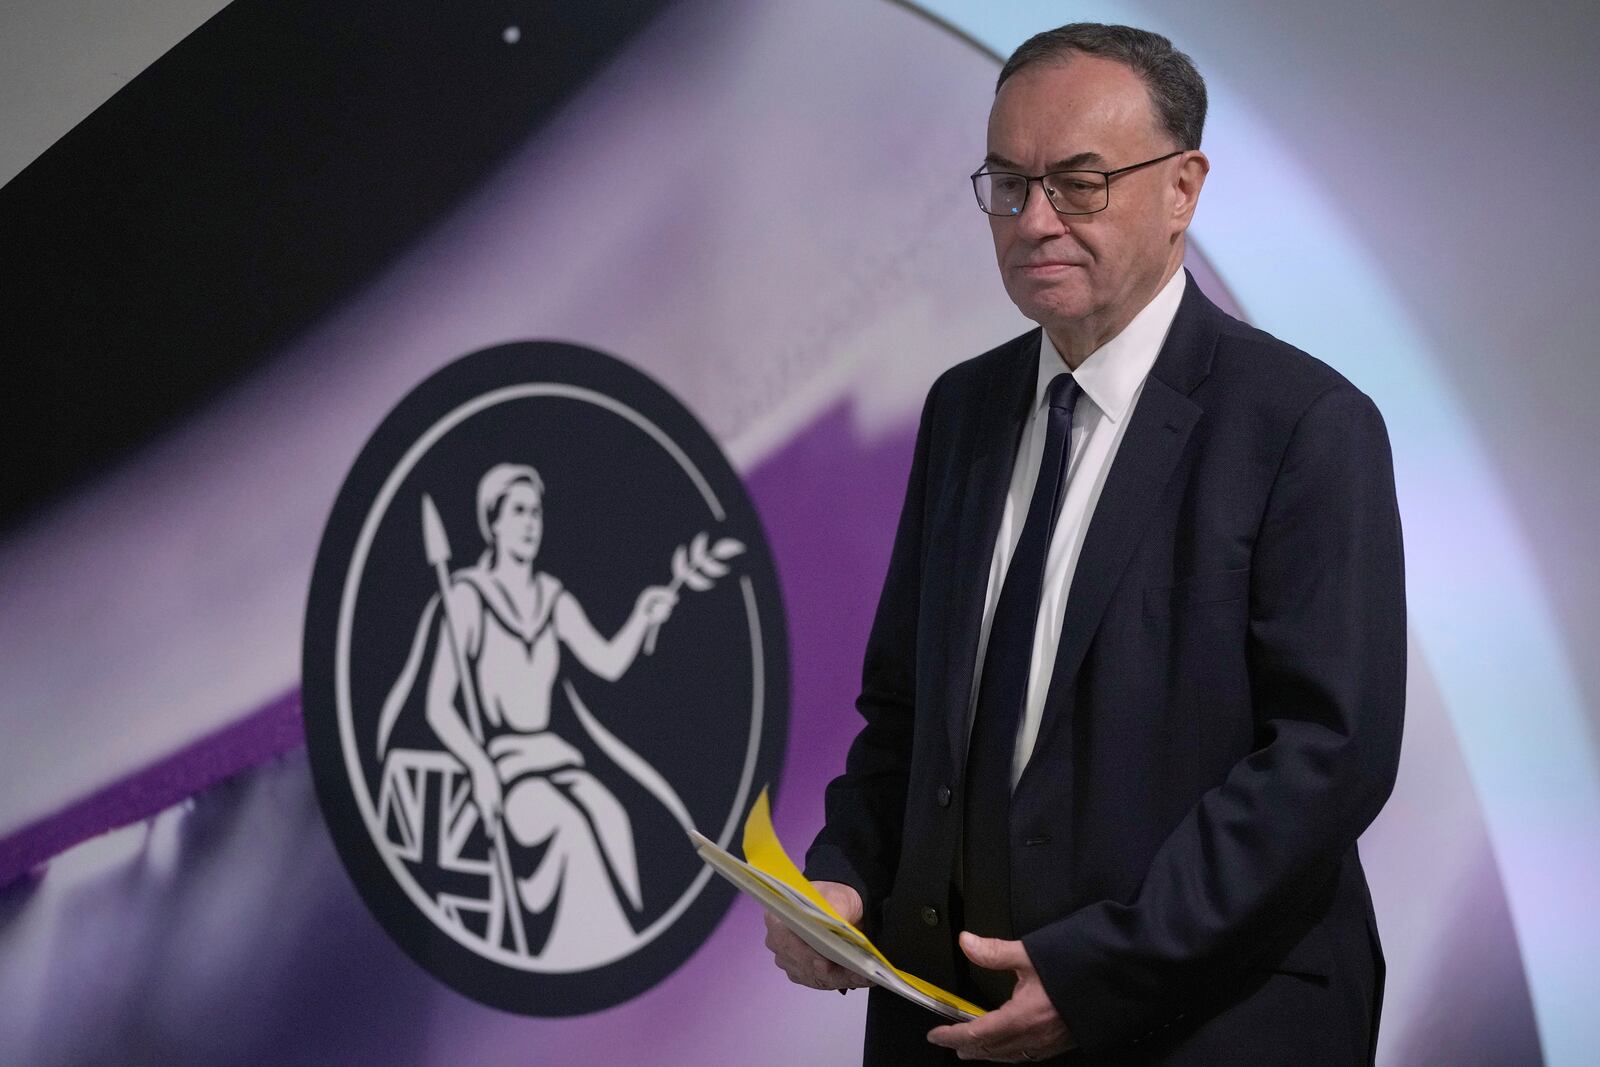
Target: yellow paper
column 763, row 851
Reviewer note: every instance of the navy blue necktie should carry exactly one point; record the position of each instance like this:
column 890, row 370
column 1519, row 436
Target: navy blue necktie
column 986, row 873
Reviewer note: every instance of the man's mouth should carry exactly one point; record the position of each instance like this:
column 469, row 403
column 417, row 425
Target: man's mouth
column 1052, row 267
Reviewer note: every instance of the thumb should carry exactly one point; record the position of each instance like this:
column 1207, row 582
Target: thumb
column 993, row 953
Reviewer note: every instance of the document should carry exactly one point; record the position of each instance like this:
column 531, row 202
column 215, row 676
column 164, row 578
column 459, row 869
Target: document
column 771, row 877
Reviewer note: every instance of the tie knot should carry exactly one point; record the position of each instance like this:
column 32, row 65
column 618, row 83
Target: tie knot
column 1063, row 391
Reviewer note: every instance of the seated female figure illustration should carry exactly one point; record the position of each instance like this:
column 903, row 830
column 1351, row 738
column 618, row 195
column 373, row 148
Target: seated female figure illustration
column 512, row 622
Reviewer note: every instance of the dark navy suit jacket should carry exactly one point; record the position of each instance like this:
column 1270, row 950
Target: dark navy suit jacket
column 1223, row 721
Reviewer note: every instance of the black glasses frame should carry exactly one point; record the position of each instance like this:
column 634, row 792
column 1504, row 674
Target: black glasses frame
column 1029, row 179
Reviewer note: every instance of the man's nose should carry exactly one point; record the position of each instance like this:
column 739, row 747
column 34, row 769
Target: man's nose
column 1039, row 218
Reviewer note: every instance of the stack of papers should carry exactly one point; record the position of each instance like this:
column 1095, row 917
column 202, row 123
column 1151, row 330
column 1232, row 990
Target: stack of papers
column 770, row 876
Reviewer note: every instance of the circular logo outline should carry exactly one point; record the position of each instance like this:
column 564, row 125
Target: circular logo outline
column 527, row 370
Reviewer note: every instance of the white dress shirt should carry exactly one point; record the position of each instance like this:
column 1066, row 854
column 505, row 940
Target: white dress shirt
column 1111, row 379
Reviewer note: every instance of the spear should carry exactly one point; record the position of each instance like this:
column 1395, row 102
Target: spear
column 437, row 547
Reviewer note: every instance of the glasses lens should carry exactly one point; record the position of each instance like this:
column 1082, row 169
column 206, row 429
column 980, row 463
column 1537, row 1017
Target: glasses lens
column 1076, row 192
column 1071, row 192
column 1001, row 193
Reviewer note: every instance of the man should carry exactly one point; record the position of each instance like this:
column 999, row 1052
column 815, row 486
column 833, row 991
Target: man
column 1135, row 683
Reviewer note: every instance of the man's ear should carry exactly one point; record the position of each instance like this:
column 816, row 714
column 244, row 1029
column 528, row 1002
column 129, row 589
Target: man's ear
column 1191, row 176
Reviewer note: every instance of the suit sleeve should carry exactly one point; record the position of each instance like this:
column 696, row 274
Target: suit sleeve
column 864, row 807
column 1326, row 656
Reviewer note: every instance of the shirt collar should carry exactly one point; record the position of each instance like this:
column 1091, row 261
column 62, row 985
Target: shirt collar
column 1112, row 374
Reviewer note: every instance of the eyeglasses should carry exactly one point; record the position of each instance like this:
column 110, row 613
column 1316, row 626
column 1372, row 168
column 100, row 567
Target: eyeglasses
column 1070, row 192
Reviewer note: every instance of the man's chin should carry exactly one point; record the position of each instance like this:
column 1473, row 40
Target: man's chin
column 1060, row 312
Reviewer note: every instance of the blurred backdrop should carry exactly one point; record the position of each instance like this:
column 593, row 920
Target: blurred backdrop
column 237, row 234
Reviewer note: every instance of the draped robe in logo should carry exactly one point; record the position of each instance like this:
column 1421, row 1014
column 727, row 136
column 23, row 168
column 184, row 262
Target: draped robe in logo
column 572, row 840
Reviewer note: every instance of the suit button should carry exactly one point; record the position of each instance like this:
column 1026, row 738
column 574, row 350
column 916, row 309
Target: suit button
column 943, row 796
column 930, row 915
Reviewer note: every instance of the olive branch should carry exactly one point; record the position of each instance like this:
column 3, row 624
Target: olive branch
column 697, row 565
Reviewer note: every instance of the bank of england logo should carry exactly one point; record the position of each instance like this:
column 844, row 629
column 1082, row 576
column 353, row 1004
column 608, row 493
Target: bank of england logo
column 543, row 639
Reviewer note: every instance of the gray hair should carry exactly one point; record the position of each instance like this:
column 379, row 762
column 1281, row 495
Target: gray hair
column 1177, row 91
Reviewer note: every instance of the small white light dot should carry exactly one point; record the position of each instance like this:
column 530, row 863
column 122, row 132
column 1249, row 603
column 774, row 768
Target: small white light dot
column 511, row 34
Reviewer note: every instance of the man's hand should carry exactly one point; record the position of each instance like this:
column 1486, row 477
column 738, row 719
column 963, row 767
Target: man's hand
column 1024, row 1028
column 803, row 964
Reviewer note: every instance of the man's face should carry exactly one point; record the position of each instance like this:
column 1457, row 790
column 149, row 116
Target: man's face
column 1065, row 271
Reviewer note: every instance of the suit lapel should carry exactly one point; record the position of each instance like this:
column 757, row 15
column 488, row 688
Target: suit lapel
column 999, row 418
column 1145, row 460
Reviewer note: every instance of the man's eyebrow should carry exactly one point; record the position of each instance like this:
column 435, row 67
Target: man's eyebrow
column 1082, row 159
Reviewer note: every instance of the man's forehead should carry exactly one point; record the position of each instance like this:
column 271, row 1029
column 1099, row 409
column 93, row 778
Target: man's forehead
column 1091, row 160
column 1065, row 109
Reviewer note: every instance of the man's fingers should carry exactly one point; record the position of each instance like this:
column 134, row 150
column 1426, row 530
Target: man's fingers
column 834, row 976
column 823, row 974
column 969, row 1034
column 786, row 948
column 994, row 954
column 998, row 1034
column 960, row 1039
column 774, row 941
column 1026, row 1026
column 844, row 899
column 803, row 964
